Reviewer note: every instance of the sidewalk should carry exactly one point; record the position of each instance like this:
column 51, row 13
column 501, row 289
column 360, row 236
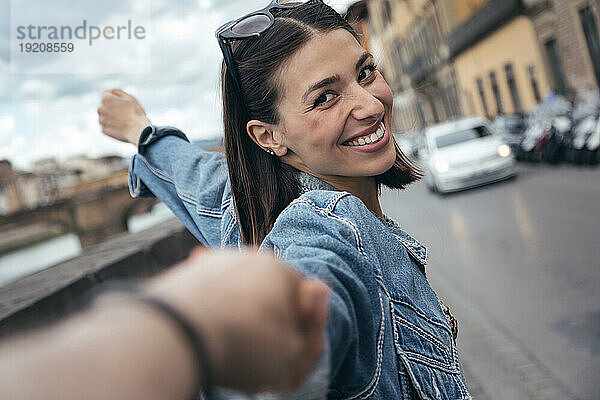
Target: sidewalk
column 496, row 366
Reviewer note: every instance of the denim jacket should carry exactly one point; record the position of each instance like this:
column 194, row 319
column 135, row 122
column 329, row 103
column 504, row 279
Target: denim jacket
column 387, row 335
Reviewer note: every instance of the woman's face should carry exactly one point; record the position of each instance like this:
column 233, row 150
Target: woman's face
column 335, row 110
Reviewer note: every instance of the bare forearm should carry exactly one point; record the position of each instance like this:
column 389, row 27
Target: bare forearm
column 123, row 352
column 260, row 324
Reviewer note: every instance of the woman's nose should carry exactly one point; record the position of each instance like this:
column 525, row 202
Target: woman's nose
column 366, row 105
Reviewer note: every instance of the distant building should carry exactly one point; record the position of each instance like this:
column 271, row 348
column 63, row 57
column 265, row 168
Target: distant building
column 29, row 187
column 408, row 38
column 88, row 169
column 510, row 54
column 499, row 64
column 567, row 33
column 52, row 180
column 9, row 195
column 448, row 58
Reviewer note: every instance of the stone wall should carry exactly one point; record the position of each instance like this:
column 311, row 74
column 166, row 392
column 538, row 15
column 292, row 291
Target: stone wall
column 53, row 293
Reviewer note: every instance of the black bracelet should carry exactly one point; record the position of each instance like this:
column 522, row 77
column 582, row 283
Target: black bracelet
column 201, row 359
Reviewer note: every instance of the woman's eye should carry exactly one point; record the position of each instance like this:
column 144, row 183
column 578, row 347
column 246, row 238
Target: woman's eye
column 324, row 98
column 366, row 72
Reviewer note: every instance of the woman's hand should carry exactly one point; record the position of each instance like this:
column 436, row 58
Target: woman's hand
column 121, row 116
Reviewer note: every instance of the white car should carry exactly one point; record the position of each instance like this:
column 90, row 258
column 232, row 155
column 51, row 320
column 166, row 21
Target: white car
column 464, row 153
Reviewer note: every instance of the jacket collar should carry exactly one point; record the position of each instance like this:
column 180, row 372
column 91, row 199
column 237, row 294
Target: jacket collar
column 414, row 247
column 309, row 182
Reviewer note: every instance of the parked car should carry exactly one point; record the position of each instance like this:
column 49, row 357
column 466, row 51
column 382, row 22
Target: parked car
column 464, row 153
column 512, row 129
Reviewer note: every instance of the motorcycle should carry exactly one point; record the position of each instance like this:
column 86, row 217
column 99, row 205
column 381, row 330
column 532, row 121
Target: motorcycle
column 577, row 151
column 554, row 149
column 592, row 144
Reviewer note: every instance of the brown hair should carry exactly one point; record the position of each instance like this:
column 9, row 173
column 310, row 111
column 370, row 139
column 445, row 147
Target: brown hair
column 262, row 186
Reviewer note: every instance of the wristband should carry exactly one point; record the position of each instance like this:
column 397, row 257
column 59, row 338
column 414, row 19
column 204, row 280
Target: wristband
column 201, row 360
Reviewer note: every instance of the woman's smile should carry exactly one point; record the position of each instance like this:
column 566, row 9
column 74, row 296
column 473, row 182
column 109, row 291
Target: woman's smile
column 369, row 141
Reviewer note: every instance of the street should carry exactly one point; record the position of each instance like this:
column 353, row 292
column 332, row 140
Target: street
column 518, row 264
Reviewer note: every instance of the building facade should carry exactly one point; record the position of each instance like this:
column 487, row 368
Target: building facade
column 567, row 33
column 510, row 54
column 52, row 180
column 408, row 39
column 449, row 58
column 499, row 64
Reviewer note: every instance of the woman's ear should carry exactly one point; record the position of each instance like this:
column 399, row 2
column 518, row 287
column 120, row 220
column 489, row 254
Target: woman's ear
column 264, row 135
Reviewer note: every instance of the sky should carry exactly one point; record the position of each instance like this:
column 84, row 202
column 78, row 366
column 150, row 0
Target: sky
column 54, row 115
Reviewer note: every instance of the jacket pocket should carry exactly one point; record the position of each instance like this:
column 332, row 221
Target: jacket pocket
column 425, row 347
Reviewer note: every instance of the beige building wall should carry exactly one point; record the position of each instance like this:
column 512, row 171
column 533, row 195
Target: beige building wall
column 514, row 43
column 401, row 29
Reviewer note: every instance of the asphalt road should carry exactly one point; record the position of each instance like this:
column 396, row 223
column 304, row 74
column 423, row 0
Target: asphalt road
column 518, row 262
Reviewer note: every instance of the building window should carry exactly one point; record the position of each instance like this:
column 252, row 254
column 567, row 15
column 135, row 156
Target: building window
column 482, row 97
column 556, row 66
column 590, row 30
column 496, row 91
column 512, row 85
column 534, row 84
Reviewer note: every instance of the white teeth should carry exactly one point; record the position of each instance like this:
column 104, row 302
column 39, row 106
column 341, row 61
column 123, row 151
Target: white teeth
column 374, row 137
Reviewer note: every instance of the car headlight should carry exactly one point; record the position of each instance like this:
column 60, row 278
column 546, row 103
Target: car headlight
column 442, row 166
column 503, row 150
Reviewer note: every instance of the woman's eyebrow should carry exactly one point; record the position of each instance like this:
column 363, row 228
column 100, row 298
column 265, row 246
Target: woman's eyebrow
column 334, row 78
column 362, row 59
column 322, row 83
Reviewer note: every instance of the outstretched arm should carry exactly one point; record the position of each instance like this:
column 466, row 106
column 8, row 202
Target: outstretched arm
column 260, row 321
column 321, row 242
column 191, row 181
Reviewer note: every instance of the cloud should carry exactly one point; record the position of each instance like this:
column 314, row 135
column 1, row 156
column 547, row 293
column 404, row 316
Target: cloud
column 10, row 143
column 55, row 114
column 7, row 125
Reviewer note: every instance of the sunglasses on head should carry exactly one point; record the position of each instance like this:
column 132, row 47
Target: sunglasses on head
column 249, row 26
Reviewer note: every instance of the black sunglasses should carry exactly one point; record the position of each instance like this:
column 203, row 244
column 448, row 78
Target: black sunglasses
column 246, row 27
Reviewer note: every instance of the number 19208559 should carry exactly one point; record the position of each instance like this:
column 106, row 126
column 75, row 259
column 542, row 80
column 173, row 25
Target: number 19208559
column 46, row 47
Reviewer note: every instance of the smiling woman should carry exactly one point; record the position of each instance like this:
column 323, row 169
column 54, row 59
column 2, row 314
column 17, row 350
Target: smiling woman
column 307, row 119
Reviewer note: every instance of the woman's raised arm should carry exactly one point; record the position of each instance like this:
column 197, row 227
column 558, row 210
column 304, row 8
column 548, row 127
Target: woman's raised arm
column 191, row 181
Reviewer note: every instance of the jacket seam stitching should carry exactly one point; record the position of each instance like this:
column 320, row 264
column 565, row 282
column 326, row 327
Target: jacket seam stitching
column 209, row 212
column 419, row 313
column 450, row 368
column 328, row 212
column 425, row 335
column 421, row 359
column 410, row 247
column 459, row 385
column 188, row 198
column 372, row 385
column 229, row 228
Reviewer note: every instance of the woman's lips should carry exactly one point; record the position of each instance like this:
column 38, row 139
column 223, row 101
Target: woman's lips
column 366, row 144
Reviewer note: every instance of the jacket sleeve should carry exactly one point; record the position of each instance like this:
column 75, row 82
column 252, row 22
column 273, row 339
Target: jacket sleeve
column 188, row 179
column 321, row 243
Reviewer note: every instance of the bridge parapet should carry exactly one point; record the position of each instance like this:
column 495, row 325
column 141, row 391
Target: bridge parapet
column 53, row 293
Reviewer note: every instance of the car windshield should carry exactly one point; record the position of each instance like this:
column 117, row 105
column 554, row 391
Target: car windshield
column 453, row 138
column 514, row 124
